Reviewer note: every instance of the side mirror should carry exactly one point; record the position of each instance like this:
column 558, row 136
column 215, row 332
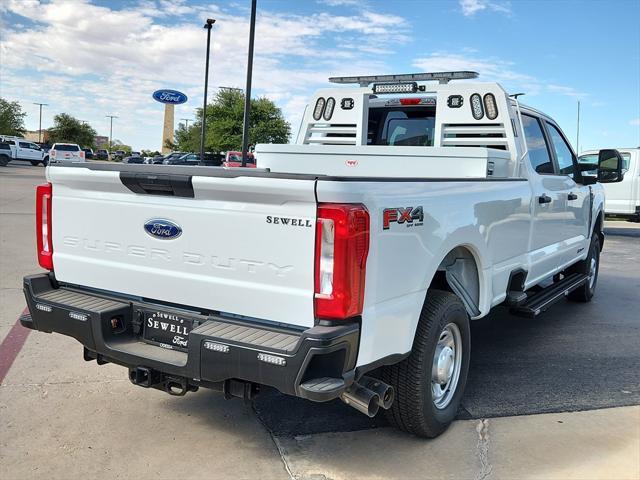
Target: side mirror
column 609, row 166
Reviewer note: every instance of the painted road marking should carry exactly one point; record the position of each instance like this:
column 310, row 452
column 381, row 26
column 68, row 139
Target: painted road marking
column 11, row 346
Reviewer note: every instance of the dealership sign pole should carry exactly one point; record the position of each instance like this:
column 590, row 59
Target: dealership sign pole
column 170, row 98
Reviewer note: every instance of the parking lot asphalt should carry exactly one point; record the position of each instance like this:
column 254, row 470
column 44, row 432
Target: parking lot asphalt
column 64, row 418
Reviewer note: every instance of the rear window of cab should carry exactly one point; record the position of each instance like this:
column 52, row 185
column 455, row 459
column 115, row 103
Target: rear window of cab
column 66, row 148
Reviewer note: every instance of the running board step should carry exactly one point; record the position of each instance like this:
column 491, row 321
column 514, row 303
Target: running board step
column 540, row 301
column 320, row 387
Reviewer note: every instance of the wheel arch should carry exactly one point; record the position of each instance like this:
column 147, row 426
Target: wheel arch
column 459, row 272
column 598, row 228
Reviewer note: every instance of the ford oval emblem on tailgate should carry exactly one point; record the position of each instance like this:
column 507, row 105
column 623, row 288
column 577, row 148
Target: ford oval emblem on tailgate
column 160, row 228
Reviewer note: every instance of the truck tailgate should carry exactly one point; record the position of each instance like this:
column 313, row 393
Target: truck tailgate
column 232, row 256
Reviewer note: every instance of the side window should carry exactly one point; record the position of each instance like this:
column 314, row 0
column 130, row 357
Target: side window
column 537, row 146
column 563, row 151
column 24, row 145
column 626, row 159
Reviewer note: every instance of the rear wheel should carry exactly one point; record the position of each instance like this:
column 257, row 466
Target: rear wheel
column 4, row 160
column 429, row 383
column 45, row 162
column 590, row 267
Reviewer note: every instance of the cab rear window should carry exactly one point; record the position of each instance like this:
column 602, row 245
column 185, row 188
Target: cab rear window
column 67, row 148
column 402, row 126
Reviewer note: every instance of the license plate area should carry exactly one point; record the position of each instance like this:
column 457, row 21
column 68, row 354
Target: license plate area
column 168, row 330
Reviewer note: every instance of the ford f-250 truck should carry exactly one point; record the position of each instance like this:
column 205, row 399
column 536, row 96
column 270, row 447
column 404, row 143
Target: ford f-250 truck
column 25, row 150
column 348, row 265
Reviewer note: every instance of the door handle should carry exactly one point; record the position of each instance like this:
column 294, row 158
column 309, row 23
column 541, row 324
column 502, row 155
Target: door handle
column 572, row 196
column 544, row 198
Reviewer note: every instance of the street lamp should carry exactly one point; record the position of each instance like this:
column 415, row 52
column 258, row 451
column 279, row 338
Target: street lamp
column 208, row 26
column 40, row 124
column 247, row 96
column 111, row 117
column 186, row 121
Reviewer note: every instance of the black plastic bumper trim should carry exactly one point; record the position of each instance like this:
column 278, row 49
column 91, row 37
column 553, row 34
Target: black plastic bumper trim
column 320, row 351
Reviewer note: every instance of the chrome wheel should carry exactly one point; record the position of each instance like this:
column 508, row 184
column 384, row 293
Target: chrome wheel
column 447, row 361
column 593, row 267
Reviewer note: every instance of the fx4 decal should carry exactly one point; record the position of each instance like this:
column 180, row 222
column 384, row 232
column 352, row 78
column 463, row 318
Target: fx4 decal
column 410, row 215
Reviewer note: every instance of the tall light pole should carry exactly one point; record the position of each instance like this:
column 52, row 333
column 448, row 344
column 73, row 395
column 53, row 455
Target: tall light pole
column 40, row 123
column 110, row 117
column 578, row 132
column 186, row 122
column 247, row 90
column 208, row 26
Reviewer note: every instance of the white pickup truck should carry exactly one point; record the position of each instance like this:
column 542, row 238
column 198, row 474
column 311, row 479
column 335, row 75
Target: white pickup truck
column 25, row 150
column 622, row 198
column 347, row 265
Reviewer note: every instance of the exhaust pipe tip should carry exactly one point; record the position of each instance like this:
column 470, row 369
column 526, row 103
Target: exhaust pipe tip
column 362, row 399
column 386, row 393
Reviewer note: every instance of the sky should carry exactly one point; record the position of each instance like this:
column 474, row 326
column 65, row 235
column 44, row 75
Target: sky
column 91, row 58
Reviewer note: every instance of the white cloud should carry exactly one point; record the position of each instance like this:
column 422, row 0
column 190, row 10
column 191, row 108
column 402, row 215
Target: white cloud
column 342, row 3
column 494, row 70
column 91, row 68
column 635, row 122
column 471, row 7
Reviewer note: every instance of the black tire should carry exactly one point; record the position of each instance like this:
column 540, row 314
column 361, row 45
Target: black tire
column 585, row 292
column 414, row 410
column 45, row 162
column 4, row 160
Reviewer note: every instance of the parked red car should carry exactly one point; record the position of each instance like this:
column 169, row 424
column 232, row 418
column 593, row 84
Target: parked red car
column 234, row 159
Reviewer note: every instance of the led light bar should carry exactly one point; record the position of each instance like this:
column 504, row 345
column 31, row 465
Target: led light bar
column 405, row 87
column 442, row 77
column 216, row 347
column 43, row 308
column 79, row 316
column 272, row 359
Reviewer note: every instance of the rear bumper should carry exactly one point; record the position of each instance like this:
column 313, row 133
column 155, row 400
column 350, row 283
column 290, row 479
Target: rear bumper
column 317, row 363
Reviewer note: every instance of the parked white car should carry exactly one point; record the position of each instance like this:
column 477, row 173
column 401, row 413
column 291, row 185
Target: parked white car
column 25, row 150
column 66, row 152
column 622, row 198
column 349, row 265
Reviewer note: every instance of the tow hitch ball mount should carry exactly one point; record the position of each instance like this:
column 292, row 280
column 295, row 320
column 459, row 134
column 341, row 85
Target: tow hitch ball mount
column 149, row 378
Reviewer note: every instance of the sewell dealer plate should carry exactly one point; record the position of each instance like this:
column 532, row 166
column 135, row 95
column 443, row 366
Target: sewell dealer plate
column 167, row 330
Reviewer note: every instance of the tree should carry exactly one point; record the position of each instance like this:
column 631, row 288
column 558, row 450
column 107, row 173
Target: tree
column 69, row 129
column 224, row 124
column 118, row 145
column 11, row 118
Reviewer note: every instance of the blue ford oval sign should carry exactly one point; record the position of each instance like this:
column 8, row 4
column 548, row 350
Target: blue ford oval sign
column 164, row 229
column 169, row 96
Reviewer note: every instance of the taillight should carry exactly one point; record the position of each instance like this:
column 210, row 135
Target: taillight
column 342, row 245
column 43, row 225
column 410, row 101
column 81, row 153
column 52, row 153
